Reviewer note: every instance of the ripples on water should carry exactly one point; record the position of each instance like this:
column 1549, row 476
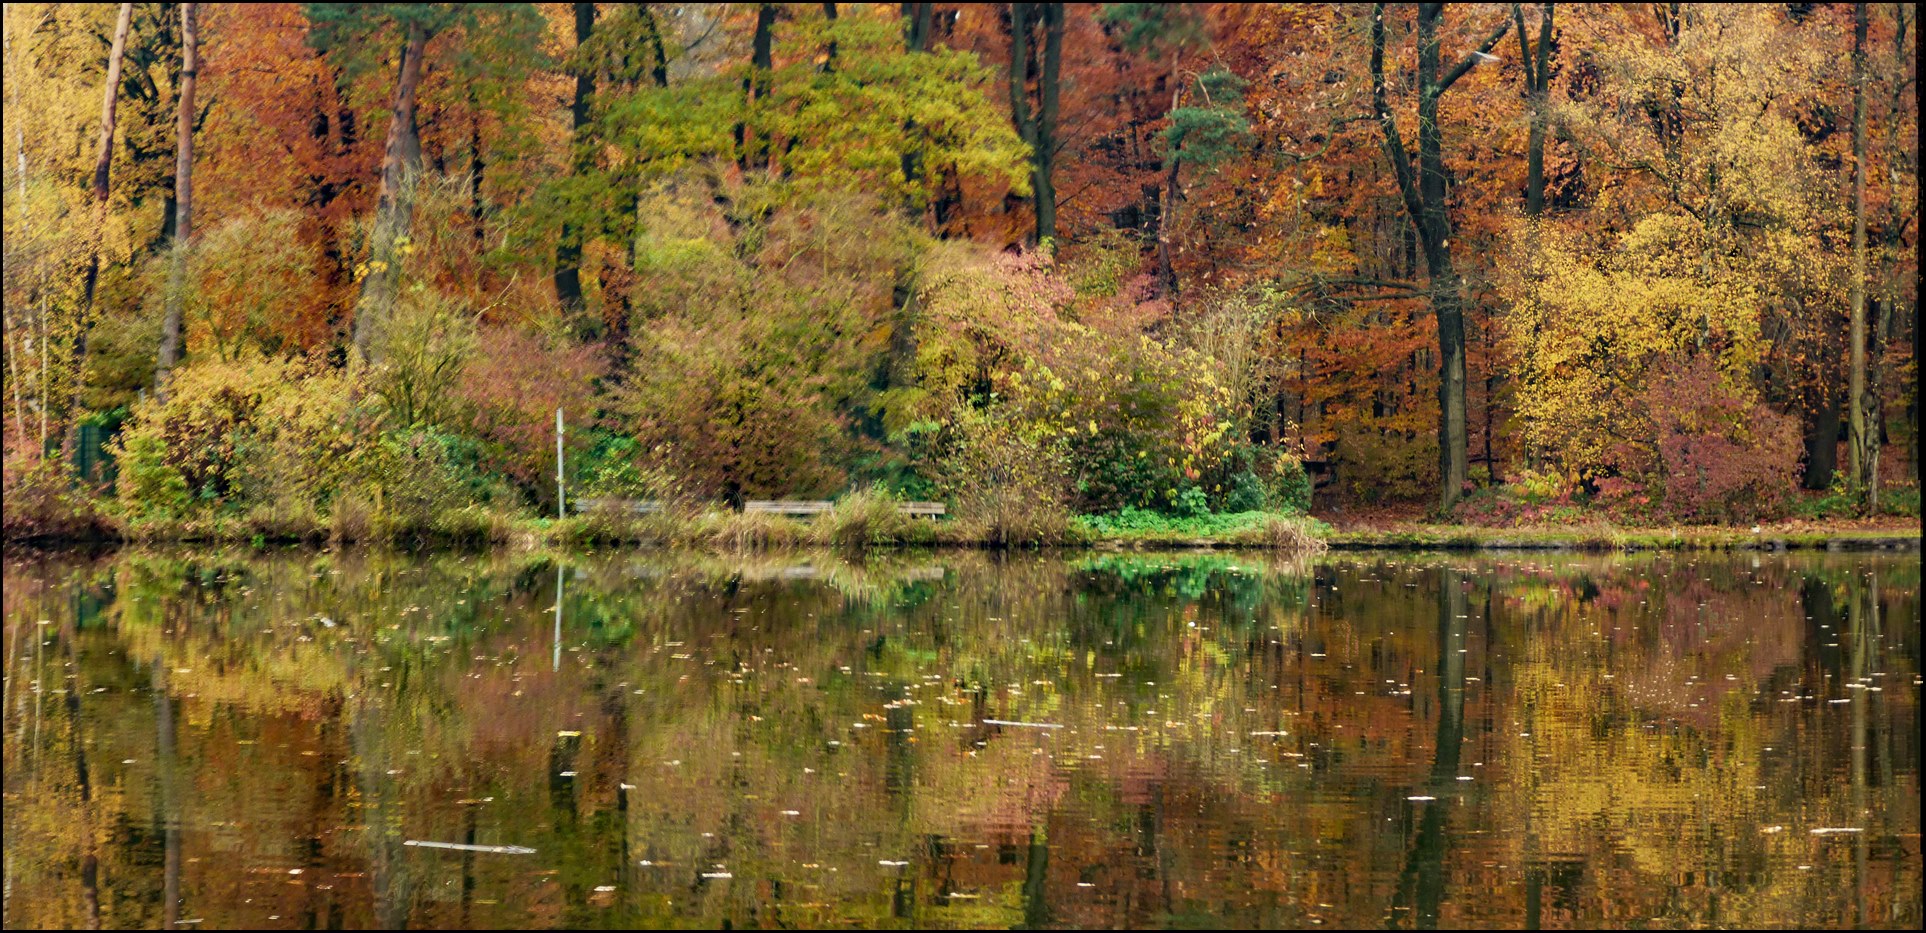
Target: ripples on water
column 349, row 740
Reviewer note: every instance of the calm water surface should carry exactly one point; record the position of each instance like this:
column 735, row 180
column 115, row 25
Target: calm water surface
column 309, row 740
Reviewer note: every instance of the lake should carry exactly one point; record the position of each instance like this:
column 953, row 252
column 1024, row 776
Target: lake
column 304, row 739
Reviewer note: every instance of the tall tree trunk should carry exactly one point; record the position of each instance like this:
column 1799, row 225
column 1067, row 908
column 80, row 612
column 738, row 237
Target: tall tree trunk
column 394, row 211
column 1167, row 203
column 1423, row 190
column 829, row 52
column 183, row 204
column 103, row 160
column 1043, row 160
column 752, row 151
column 20, row 154
column 916, row 38
column 1863, row 443
column 916, row 26
column 1536, row 64
column 568, row 249
column 659, row 66
column 1822, row 437
column 1020, row 119
column 477, row 206
column 1876, row 400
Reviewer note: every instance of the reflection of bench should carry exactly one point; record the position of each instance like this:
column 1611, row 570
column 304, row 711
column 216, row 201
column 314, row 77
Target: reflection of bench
column 788, row 506
column 635, row 506
column 923, row 509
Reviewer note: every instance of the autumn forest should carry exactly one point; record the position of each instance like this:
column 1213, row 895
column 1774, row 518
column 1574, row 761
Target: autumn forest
column 339, row 271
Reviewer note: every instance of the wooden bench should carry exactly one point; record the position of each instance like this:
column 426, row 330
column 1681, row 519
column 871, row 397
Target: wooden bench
column 929, row 510
column 789, row 506
column 636, row 506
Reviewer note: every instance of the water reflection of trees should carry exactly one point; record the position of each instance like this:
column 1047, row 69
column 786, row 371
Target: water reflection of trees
column 1239, row 740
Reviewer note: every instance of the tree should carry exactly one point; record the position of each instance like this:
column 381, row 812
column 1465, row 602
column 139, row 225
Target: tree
column 1203, row 135
column 1424, row 200
column 103, row 161
column 1537, row 66
column 568, row 251
column 1038, row 129
column 491, row 38
column 1863, row 447
column 183, row 203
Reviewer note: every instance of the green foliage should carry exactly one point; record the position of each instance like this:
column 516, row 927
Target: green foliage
column 1247, row 493
column 756, row 354
column 1253, row 527
column 422, row 347
column 1154, row 28
column 293, row 449
column 1191, row 503
column 1214, row 129
column 1008, row 478
column 848, row 127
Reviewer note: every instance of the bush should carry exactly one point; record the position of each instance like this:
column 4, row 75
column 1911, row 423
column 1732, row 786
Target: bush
column 1287, row 485
column 1009, row 484
column 871, row 516
column 510, row 390
column 42, row 502
column 1719, row 456
column 1247, row 494
column 295, row 449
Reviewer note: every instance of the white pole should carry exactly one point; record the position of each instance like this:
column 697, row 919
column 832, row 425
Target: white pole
column 561, row 510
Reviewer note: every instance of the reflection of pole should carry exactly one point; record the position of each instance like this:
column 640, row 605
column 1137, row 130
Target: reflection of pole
column 556, row 664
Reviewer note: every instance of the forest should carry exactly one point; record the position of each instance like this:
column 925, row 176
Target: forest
column 339, row 271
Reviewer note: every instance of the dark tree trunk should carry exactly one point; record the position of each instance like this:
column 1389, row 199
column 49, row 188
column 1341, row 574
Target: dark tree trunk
column 568, row 248
column 916, row 38
column 103, row 161
column 476, row 169
column 1423, row 190
column 1037, row 128
column 1043, row 162
column 1864, row 443
column 183, row 203
column 829, row 52
column 1536, row 63
column 394, row 211
column 916, row 26
column 659, row 66
column 753, row 150
column 1822, row 442
column 1020, row 73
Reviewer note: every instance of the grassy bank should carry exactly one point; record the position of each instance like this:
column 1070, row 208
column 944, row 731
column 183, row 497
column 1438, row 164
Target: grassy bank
column 863, row 521
column 1602, row 537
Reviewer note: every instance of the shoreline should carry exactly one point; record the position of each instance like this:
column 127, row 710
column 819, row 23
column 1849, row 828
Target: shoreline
column 697, row 534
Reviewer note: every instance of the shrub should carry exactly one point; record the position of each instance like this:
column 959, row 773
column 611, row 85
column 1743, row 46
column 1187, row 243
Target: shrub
column 868, row 517
column 41, row 502
column 510, row 390
column 295, row 449
column 1247, row 493
column 1009, row 484
column 1720, row 456
column 1287, row 485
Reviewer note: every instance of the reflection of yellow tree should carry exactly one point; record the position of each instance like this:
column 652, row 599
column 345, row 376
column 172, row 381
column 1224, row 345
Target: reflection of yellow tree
column 1234, row 741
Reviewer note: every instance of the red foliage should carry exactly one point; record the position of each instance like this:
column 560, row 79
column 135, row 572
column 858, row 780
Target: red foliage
column 513, row 384
column 1720, row 456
